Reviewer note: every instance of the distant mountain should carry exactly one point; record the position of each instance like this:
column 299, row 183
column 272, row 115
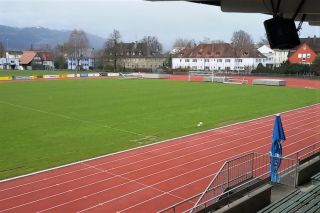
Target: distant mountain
column 24, row 38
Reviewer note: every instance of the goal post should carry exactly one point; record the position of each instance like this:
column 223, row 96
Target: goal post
column 214, row 76
column 201, row 76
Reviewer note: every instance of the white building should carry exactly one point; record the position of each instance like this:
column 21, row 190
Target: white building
column 83, row 61
column 218, row 57
column 11, row 60
column 275, row 56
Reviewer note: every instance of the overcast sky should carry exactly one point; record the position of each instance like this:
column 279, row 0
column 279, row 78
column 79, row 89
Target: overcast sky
column 135, row 18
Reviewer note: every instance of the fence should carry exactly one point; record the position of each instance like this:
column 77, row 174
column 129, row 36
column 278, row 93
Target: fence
column 234, row 176
column 306, row 153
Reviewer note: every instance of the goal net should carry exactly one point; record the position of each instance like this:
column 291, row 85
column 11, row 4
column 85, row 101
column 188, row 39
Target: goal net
column 213, row 76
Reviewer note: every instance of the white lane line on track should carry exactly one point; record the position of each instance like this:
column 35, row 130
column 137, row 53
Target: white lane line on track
column 152, row 174
column 183, row 185
column 135, row 181
column 200, row 138
column 297, row 110
column 180, row 156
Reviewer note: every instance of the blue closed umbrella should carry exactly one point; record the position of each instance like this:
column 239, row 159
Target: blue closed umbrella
column 276, row 149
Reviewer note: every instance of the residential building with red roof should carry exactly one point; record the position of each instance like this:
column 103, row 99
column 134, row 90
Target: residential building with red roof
column 218, row 57
column 303, row 55
column 36, row 60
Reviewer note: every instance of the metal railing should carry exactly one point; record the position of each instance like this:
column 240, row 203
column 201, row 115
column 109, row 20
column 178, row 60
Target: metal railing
column 235, row 175
column 307, row 152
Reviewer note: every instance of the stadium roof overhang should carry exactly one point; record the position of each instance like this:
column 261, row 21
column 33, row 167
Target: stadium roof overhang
column 285, row 12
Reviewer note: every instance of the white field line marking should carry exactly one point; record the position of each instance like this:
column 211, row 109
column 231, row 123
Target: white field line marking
column 135, row 181
column 166, row 180
column 200, row 150
column 160, row 142
column 187, row 141
column 70, row 118
column 149, row 176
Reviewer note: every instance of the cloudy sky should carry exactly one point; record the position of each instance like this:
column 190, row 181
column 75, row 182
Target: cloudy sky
column 135, row 18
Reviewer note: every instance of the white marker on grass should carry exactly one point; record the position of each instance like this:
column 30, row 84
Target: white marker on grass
column 200, row 123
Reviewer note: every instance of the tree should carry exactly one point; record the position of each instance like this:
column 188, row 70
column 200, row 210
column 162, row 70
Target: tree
column 77, row 43
column 113, row 47
column 218, row 41
column 263, row 41
column 153, row 44
column 60, row 62
column 2, row 51
column 242, row 40
column 315, row 67
column 184, row 43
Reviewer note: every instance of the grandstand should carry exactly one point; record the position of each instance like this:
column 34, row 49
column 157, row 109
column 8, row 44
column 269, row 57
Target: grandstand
column 298, row 201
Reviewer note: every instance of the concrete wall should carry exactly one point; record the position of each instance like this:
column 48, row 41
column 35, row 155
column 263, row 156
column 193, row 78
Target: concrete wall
column 251, row 203
column 307, row 170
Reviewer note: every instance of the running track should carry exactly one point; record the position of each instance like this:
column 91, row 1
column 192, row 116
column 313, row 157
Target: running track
column 154, row 177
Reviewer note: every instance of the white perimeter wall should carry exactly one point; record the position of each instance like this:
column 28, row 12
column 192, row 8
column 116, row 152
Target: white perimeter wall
column 217, row 63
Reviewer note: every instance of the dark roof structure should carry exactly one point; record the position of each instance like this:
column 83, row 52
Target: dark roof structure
column 219, row 50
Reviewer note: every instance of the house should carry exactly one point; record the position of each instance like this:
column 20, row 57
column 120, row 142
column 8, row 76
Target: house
column 47, row 60
column 218, row 57
column 306, row 52
column 11, row 60
column 83, row 61
column 138, row 56
column 303, row 55
column 275, row 57
column 313, row 43
column 34, row 60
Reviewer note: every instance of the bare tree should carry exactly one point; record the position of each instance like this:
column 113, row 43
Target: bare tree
column 153, row 44
column 78, row 41
column 218, row 41
column 113, row 47
column 242, row 39
column 184, row 43
column 207, row 40
column 263, row 41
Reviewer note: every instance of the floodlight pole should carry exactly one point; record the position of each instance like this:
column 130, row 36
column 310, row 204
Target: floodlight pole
column 7, row 54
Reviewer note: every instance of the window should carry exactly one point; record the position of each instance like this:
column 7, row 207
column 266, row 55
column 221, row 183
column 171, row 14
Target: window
column 219, row 60
column 187, row 60
column 206, row 60
column 194, row 60
column 308, row 55
column 228, row 60
column 238, row 60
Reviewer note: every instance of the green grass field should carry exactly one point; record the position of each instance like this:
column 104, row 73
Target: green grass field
column 49, row 123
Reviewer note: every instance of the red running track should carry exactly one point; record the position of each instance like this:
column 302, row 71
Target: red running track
column 151, row 178
column 291, row 82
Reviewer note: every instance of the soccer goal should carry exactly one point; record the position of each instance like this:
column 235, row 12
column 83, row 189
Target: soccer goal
column 207, row 76
column 213, row 76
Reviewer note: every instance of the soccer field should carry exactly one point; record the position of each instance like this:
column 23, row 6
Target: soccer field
column 50, row 123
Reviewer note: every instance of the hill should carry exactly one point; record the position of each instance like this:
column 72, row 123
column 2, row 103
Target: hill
column 23, row 38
